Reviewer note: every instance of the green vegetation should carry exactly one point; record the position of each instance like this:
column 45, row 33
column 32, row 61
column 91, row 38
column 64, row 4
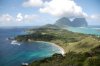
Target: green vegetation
column 80, row 49
column 70, row 59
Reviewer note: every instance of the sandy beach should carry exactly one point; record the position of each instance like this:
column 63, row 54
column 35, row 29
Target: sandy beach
column 62, row 51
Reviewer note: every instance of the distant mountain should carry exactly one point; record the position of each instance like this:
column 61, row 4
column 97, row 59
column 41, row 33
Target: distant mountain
column 63, row 22
column 77, row 22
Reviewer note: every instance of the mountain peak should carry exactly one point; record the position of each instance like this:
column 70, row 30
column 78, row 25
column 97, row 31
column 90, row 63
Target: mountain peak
column 63, row 22
column 77, row 22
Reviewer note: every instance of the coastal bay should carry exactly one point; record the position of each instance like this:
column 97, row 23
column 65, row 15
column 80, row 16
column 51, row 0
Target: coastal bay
column 16, row 54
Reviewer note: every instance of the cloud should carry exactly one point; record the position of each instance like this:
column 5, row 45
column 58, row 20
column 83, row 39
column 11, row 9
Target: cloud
column 30, row 18
column 6, row 18
column 59, row 8
column 19, row 19
column 32, row 3
column 63, row 8
column 95, row 17
column 25, row 17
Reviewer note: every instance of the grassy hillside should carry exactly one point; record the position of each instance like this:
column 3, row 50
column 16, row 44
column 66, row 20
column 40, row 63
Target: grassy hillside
column 83, row 45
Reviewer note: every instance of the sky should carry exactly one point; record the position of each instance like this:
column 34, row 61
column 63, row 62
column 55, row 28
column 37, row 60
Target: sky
column 41, row 12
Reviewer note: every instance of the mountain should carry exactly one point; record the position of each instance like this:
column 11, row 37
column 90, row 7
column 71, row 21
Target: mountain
column 65, row 22
column 77, row 22
column 62, row 22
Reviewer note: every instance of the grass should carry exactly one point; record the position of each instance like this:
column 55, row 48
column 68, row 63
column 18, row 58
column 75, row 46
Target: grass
column 84, row 45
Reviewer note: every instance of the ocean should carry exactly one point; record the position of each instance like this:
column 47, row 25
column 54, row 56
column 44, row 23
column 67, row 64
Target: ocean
column 15, row 55
column 85, row 30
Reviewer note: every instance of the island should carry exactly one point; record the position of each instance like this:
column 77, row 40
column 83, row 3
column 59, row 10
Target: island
column 80, row 49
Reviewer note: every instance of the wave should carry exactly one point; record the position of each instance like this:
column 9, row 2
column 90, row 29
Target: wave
column 14, row 42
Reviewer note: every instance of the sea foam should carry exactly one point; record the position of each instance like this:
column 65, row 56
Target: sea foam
column 14, row 42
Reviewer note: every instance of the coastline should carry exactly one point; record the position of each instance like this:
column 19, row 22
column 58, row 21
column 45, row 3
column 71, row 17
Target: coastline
column 54, row 44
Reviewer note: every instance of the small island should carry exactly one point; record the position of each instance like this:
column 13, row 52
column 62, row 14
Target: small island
column 80, row 49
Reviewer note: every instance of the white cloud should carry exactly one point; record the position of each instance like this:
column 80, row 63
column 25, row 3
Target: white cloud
column 32, row 3
column 25, row 17
column 6, row 18
column 30, row 18
column 19, row 19
column 95, row 17
column 67, row 8
column 59, row 8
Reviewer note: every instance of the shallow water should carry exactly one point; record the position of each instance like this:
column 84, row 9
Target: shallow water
column 85, row 30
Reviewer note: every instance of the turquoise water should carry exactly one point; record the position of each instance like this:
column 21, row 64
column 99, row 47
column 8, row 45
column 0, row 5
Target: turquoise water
column 85, row 30
column 14, row 55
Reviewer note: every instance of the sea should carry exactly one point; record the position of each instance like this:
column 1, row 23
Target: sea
column 93, row 30
column 26, row 52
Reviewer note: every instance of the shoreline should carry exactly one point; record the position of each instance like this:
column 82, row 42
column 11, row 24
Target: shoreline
column 54, row 44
